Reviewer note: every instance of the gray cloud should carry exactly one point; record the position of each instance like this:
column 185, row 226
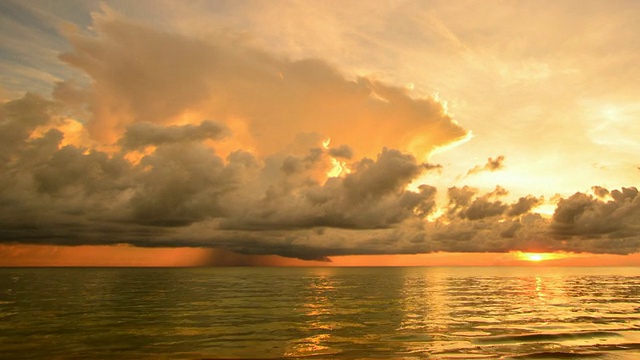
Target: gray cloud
column 139, row 135
column 599, row 191
column 463, row 204
column 342, row 151
column 461, row 196
column 584, row 216
column 523, row 205
column 510, row 231
column 481, row 208
column 372, row 196
column 184, row 184
column 18, row 119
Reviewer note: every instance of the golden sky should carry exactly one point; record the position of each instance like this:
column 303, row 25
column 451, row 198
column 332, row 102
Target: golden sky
column 173, row 133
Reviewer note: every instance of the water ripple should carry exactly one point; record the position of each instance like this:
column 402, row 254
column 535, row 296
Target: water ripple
column 351, row 313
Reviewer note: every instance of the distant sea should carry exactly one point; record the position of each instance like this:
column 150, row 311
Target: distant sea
column 323, row 313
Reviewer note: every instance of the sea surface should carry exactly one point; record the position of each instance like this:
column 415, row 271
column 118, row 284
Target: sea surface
column 320, row 313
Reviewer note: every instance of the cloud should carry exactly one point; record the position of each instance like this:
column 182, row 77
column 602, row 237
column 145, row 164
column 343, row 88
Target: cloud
column 481, row 208
column 19, row 119
column 342, row 151
column 599, row 191
column 491, row 165
column 461, row 196
column 220, row 144
column 139, row 135
column 184, row 194
column 523, row 205
column 463, row 204
column 373, row 195
column 65, row 194
column 612, row 223
column 143, row 75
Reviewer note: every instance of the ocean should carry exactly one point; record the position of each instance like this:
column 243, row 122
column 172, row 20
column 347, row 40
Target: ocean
column 320, row 313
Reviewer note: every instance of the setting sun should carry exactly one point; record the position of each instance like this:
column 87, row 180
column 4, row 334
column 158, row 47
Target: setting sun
column 534, row 257
column 537, row 257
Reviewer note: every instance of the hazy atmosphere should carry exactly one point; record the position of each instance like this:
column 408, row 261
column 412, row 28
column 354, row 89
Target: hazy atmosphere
column 320, row 132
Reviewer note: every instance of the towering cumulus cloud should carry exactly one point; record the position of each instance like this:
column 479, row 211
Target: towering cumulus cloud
column 144, row 75
column 176, row 141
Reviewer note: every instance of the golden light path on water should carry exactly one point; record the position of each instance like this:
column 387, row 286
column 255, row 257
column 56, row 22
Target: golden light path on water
column 472, row 313
column 366, row 312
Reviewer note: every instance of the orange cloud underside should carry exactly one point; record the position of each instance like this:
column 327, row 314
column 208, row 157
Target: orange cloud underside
column 93, row 255
column 19, row 255
column 124, row 255
column 489, row 259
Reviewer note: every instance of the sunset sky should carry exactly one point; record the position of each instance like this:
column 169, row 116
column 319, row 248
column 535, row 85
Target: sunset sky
column 178, row 133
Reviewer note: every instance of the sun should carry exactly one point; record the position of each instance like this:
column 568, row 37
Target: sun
column 535, row 257
column 538, row 257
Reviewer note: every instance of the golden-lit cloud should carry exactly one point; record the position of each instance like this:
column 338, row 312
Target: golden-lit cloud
column 140, row 74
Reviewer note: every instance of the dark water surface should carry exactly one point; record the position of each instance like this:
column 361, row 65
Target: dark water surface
column 352, row 313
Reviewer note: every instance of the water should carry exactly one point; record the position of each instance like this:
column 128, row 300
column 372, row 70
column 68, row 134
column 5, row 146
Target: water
column 350, row 313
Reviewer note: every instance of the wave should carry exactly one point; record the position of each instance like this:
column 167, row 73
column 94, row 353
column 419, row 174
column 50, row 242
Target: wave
column 584, row 352
column 560, row 355
column 539, row 337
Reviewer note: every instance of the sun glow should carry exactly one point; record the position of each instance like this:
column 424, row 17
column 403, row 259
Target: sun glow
column 545, row 210
column 535, row 257
column 538, row 257
column 452, row 144
column 339, row 168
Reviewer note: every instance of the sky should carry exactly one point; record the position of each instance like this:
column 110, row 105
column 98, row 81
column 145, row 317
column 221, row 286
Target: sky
column 202, row 133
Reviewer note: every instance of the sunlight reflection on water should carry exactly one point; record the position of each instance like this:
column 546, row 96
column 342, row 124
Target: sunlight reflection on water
column 410, row 313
